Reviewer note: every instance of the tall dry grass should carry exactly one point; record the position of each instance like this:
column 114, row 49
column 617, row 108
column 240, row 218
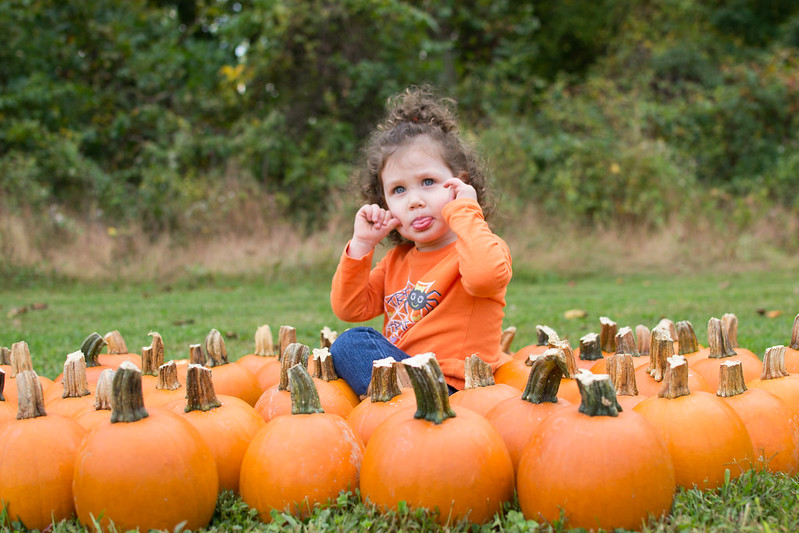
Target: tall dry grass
column 252, row 241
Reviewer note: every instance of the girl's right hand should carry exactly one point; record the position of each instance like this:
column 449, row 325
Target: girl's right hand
column 372, row 224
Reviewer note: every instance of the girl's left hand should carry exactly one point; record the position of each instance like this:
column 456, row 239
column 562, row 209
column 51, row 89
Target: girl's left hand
column 459, row 189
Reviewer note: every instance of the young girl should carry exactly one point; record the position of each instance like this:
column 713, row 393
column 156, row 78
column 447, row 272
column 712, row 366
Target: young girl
column 442, row 287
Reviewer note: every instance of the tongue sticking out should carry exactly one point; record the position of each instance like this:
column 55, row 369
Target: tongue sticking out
column 422, row 223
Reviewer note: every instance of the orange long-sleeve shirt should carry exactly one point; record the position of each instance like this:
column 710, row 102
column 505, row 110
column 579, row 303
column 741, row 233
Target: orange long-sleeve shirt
column 448, row 301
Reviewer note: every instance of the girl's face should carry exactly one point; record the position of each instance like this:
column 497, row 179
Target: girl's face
column 413, row 178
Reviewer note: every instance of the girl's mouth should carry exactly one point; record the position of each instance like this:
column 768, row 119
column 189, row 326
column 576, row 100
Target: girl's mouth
column 422, row 223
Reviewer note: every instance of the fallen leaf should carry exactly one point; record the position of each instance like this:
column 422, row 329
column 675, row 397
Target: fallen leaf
column 774, row 313
column 572, row 314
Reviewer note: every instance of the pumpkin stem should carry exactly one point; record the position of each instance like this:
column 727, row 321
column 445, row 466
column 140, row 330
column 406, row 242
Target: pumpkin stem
column 505, row 341
column 566, row 352
column 730, row 323
column 675, row 382
column 286, row 336
column 295, row 353
column 264, row 345
column 774, row 363
column 795, row 334
column 168, row 377
column 477, row 373
column 196, row 355
column 115, row 342
column 200, row 394
column 607, row 334
column 5, row 355
column 430, row 388
column 543, row 381
column 625, row 342
column 590, row 350
column 304, row 395
column 30, row 398
column 668, row 324
column 644, row 338
column 661, row 349
column 544, row 333
column 152, row 357
column 621, row 369
column 20, row 358
column 326, row 337
column 102, row 394
column 127, row 402
column 74, row 377
column 2, row 384
column 91, row 347
column 598, row 397
column 717, row 340
column 731, row 379
column 686, row 337
column 215, row 348
column 385, row 384
column 323, row 365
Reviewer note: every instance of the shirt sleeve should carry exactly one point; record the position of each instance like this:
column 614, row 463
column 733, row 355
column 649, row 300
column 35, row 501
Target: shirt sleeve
column 356, row 293
column 485, row 260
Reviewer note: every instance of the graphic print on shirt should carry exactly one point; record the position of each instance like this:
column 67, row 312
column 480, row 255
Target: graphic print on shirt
column 407, row 306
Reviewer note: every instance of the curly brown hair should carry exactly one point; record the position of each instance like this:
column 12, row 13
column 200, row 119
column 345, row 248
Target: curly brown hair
column 412, row 113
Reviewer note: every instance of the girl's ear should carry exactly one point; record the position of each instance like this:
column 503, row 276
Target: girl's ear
column 463, row 176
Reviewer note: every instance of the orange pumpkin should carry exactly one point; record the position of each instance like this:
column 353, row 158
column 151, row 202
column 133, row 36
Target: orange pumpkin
column 452, row 459
column 481, row 392
column 144, row 469
column 600, row 466
column 776, row 379
column 516, row 418
column 704, row 435
column 226, row 423
column 264, row 353
column 8, row 410
column 386, row 398
column 304, row 459
column 37, row 452
column 719, row 351
column 321, row 368
column 772, row 425
column 20, row 358
column 101, row 411
column 649, row 377
column 76, row 398
column 229, row 379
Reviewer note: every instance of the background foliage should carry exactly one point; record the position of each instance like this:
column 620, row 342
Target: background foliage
column 172, row 113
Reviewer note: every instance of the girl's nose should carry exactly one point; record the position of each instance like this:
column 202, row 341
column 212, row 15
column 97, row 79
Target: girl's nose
column 415, row 201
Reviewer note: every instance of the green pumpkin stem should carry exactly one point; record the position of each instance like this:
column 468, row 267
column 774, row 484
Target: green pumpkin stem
column 91, row 347
column 643, row 339
column 543, row 381
column 168, row 377
column 477, row 373
column 264, row 343
column 795, row 334
column 74, row 377
column 598, row 397
column 304, row 395
column 103, row 392
column 295, row 353
column 215, row 348
column 20, row 358
column 687, row 338
column 625, row 342
column 718, row 341
column 607, row 334
column 675, row 382
column 127, row 401
column 430, row 388
column 200, row 393
column 30, row 398
column 731, row 379
column 385, row 383
column 774, row 363
column 590, row 349
column 287, row 335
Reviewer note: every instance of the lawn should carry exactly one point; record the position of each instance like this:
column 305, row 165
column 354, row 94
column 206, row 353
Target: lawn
column 53, row 318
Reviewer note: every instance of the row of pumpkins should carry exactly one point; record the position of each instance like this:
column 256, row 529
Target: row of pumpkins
column 601, row 433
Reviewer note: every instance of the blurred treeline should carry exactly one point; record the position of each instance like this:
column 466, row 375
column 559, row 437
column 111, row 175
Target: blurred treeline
column 171, row 114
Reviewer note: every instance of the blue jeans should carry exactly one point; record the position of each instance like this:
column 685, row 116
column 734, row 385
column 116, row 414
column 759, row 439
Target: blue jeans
column 355, row 351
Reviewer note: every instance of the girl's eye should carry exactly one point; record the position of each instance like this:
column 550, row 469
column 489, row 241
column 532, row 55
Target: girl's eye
column 399, row 189
column 428, row 181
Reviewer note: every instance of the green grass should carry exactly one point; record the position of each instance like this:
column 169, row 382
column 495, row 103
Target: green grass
column 184, row 312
